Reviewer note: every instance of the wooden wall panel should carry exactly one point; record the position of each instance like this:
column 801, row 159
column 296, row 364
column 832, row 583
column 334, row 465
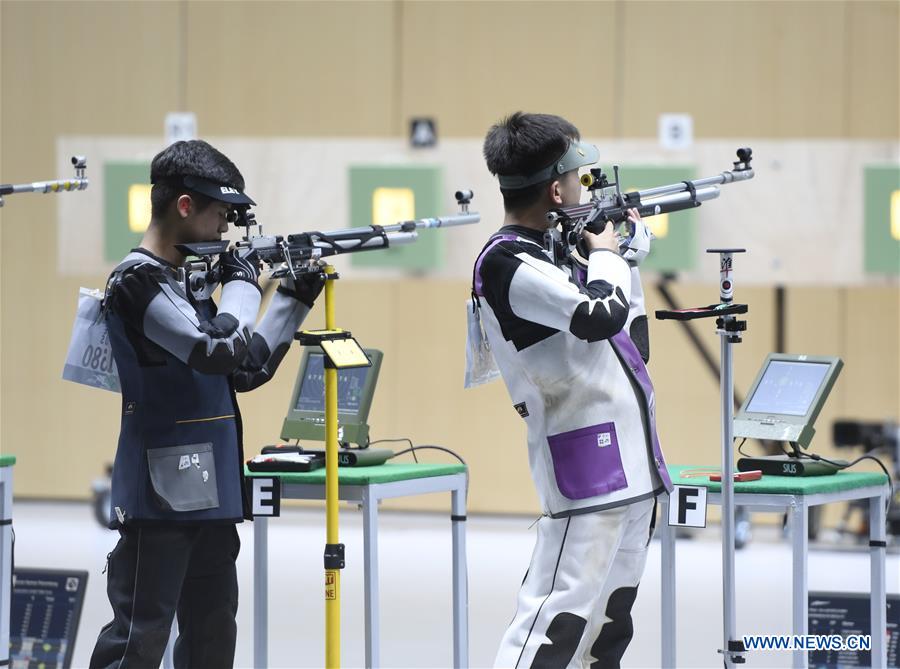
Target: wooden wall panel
column 742, row 69
column 291, row 68
column 326, row 69
column 78, row 67
column 469, row 63
column 85, row 67
column 871, row 321
column 873, row 70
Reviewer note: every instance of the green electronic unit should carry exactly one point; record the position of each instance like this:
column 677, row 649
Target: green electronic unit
column 305, row 418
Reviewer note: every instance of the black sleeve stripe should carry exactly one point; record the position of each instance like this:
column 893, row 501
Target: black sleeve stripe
column 134, row 291
column 222, row 359
column 222, row 326
column 640, row 335
column 497, row 270
column 594, row 324
column 259, row 366
column 599, row 289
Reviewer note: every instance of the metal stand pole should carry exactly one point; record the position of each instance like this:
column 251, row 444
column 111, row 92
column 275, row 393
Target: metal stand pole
column 728, row 328
column 728, row 579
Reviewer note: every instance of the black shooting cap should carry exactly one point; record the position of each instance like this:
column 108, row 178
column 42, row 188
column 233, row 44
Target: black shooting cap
column 216, row 191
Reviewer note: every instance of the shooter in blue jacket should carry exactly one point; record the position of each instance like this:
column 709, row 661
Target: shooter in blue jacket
column 177, row 489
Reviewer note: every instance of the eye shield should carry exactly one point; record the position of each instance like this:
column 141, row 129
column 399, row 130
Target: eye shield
column 211, row 189
column 577, row 155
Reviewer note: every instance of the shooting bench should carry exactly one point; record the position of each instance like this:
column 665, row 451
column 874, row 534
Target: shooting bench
column 793, row 495
column 367, row 486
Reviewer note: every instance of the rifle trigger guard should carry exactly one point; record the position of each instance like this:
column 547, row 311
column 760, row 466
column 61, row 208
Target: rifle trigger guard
column 287, row 259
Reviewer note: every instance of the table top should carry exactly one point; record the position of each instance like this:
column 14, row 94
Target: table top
column 386, row 473
column 781, row 485
column 7, row 460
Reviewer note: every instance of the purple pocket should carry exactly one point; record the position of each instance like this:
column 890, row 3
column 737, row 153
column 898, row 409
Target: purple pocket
column 587, row 461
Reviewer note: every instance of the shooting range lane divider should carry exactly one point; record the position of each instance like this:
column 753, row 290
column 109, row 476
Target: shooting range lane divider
column 80, row 182
column 729, row 329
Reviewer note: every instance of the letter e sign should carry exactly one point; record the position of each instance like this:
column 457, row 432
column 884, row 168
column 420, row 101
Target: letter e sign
column 265, row 494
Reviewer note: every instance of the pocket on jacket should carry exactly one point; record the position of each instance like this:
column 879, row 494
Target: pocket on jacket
column 587, row 461
column 184, row 477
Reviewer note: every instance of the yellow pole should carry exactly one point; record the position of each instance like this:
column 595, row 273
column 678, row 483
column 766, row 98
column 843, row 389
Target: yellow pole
column 332, row 576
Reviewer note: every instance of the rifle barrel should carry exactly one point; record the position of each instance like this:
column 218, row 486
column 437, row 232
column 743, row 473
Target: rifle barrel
column 722, row 178
column 447, row 221
column 44, row 186
column 377, row 242
column 407, row 226
column 702, row 195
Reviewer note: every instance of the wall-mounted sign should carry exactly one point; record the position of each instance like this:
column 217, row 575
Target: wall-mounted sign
column 676, row 131
column 389, row 195
column 126, row 207
column 882, row 219
column 675, row 246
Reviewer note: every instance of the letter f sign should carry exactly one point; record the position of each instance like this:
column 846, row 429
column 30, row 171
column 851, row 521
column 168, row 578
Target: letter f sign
column 687, row 506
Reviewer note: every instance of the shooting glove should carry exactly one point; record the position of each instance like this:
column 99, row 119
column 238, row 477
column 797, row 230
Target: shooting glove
column 235, row 266
column 636, row 247
column 305, row 288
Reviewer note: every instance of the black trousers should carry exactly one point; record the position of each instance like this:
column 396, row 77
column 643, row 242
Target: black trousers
column 154, row 572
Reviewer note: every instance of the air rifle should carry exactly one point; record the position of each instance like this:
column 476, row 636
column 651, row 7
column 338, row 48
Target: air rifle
column 608, row 204
column 303, row 252
column 80, row 182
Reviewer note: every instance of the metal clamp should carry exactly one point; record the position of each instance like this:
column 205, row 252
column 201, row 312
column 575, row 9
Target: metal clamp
column 334, row 556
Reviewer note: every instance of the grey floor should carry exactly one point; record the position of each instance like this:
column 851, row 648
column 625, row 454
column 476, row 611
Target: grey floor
column 415, row 585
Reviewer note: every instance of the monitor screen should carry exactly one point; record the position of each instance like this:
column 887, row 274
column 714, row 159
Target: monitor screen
column 788, row 388
column 311, row 396
column 355, row 389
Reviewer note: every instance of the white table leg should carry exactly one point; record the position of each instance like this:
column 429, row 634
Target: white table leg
column 370, row 569
column 460, row 579
column 667, row 605
column 6, row 500
column 800, row 542
column 877, row 538
column 260, row 592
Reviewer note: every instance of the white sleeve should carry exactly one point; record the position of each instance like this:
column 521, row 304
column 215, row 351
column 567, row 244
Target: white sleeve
column 542, row 293
column 270, row 342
